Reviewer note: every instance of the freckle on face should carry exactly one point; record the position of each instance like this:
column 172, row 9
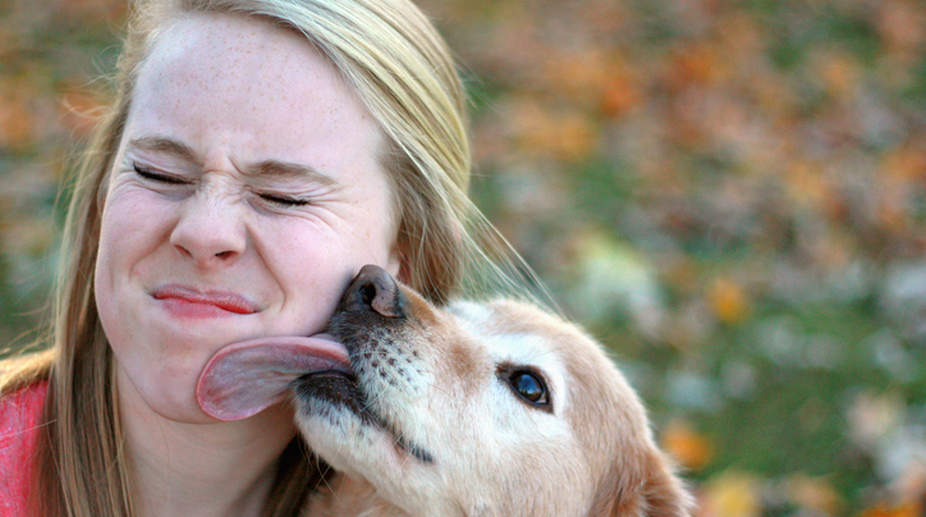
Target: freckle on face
column 236, row 91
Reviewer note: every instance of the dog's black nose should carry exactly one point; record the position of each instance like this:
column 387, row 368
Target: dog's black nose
column 374, row 289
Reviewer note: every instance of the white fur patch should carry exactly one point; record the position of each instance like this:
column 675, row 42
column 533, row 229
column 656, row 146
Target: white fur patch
column 532, row 350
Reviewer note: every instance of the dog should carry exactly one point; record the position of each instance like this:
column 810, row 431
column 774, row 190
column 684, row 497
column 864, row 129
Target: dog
column 472, row 409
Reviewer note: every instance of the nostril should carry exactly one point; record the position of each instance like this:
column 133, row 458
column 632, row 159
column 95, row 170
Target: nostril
column 225, row 254
column 374, row 289
column 368, row 294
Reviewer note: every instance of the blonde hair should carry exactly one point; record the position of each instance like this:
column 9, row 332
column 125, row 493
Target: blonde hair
column 402, row 71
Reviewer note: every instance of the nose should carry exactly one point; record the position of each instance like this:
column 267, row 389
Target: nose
column 374, row 290
column 210, row 232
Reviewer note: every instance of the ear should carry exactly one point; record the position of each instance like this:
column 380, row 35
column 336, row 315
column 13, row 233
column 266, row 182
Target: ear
column 663, row 492
column 654, row 490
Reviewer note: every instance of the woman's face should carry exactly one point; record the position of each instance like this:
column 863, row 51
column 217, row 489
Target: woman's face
column 246, row 193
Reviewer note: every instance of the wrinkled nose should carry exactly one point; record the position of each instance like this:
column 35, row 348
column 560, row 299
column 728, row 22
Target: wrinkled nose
column 374, row 289
column 211, row 234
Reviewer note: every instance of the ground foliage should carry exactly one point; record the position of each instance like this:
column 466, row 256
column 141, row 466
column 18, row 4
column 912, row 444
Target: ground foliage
column 732, row 195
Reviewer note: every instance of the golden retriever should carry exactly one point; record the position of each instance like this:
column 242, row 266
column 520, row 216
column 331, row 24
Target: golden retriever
column 488, row 409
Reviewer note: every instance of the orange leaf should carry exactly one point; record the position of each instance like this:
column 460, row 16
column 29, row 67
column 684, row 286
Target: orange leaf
column 728, row 301
column 17, row 124
column 690, row 448
column 884, row 510
column 732, row 494
column 619, row 95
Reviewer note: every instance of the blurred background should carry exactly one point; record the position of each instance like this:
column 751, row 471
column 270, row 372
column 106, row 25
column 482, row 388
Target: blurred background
column 731, row 195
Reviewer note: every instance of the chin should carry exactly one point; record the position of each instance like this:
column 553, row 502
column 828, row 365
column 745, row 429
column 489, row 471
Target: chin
column 167, row 393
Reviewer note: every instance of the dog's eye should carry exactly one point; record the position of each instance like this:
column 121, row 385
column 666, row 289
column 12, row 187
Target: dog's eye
column 530, row 387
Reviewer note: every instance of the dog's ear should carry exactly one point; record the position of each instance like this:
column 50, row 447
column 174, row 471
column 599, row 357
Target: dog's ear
column 663, row 492
column 647, row 487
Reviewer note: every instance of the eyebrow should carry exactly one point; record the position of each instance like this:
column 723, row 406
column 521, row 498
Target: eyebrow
column 165, row 145
column 266, row 168
column 288, row 170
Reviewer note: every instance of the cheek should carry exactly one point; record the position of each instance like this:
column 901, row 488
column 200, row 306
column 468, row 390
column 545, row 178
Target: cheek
column 131, row 226
column 121, row 234
column 308, row 264
column 312, row 258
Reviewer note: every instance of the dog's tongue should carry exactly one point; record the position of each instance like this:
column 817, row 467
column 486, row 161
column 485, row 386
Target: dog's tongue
column 244, row 378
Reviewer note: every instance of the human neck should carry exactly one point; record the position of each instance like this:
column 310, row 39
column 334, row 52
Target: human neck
column 200, row 469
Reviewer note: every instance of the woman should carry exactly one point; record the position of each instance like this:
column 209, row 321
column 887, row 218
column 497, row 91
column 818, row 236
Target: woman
column 257, row 153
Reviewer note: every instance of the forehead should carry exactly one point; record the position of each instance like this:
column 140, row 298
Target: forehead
column 247, row 85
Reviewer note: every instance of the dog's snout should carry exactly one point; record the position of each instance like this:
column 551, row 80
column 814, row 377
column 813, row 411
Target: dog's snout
column 374, row 289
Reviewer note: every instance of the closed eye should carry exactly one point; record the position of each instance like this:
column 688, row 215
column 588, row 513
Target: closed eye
column 150, row 175
column 284, row 200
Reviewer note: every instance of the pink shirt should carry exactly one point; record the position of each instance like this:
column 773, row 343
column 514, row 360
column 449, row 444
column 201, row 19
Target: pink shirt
column 20, row 412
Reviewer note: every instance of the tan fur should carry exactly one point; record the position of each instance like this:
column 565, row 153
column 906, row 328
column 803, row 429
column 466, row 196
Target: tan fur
column 493, row 454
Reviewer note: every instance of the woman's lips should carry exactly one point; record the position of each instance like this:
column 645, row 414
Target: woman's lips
column 190, row 302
